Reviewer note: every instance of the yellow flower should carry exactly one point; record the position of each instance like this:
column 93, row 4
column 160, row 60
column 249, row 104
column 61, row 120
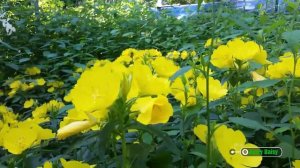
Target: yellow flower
column 236, row 142
column 15, row 85
column 47, row 164
column 74, row 163
column 153, row 53
column 147, row 83
column 26, row 87
column 40, row 81
column 247, row 100
column 42, row 134
column 51, row 89
column 193, row 53
column 243, row 51
column 184, row 54
column 178, row 91
column 153, row 110
column 4, row 129
column 208, row 43
column 12, row 92
column 201, row 132
column 173, row 54
column 32, row 71
column 261, row 57
column 164, row 67
column 54, row 105
column 296, row 163
column 16, row 140
column 270, row 136
column 216, row 89
column 28, row 103
column 260, row 91
column 74, row 128
column 97, row 88
column 256, row 76
column 40, row 112
column 222, row 57
column 284, row 67
column 7, row 115
column 68, row 98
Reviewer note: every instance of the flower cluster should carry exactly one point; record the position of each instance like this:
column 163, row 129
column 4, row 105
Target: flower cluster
column 17, row 136
column 226, row 56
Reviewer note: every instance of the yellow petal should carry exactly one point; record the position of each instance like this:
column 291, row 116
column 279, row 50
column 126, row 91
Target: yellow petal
column 28, row 103
column 256, row 76
column 19, row 139
column 201, row 132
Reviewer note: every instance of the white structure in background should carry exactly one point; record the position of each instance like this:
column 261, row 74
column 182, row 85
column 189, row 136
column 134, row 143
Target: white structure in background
column 8, row 27
column 159, row 3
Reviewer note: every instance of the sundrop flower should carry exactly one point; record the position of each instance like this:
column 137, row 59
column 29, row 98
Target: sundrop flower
column 236, row 142
column 208, row 43
column 222, row 57
column 74, row 163
column 224, row 145
column 28, row 103
column 216, row 89
column 284, row 67
column 40, row 81
column 97, row 88
column 47, row 164
column 147, row 83
column 24, row 135
column 201, row 132
column 173, row 55
column 178, row 90
column 164, row 67
column 296, row 164
column 243, row 51
column 33, row 71
column 261, row 57
column 184, row 54
column 152, row 110
column 17, row 140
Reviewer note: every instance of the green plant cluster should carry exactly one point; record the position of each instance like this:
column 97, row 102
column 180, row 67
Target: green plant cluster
column 62, row 40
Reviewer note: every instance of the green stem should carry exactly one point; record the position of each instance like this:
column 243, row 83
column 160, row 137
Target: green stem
column 124, row 149
column 290, row 104
column 207, row 89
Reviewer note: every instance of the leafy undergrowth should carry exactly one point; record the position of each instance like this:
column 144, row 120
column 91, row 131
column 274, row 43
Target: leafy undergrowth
column 105, row 88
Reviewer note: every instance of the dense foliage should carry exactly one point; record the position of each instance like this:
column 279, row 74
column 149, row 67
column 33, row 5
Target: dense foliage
column 98, row 84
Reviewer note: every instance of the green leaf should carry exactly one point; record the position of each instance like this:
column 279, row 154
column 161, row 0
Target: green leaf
column 257, row 84
column 293, row 39
column 248, row 123
column 287, row 150
column 8, row 46
column 129, row 34
column 154, row 131
column 65, row 108
column 147, row 138
column 180, row 72
column 13, row 66
column 138, row 154
column 23, row 60
column 281, row 129
column 48, row 54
